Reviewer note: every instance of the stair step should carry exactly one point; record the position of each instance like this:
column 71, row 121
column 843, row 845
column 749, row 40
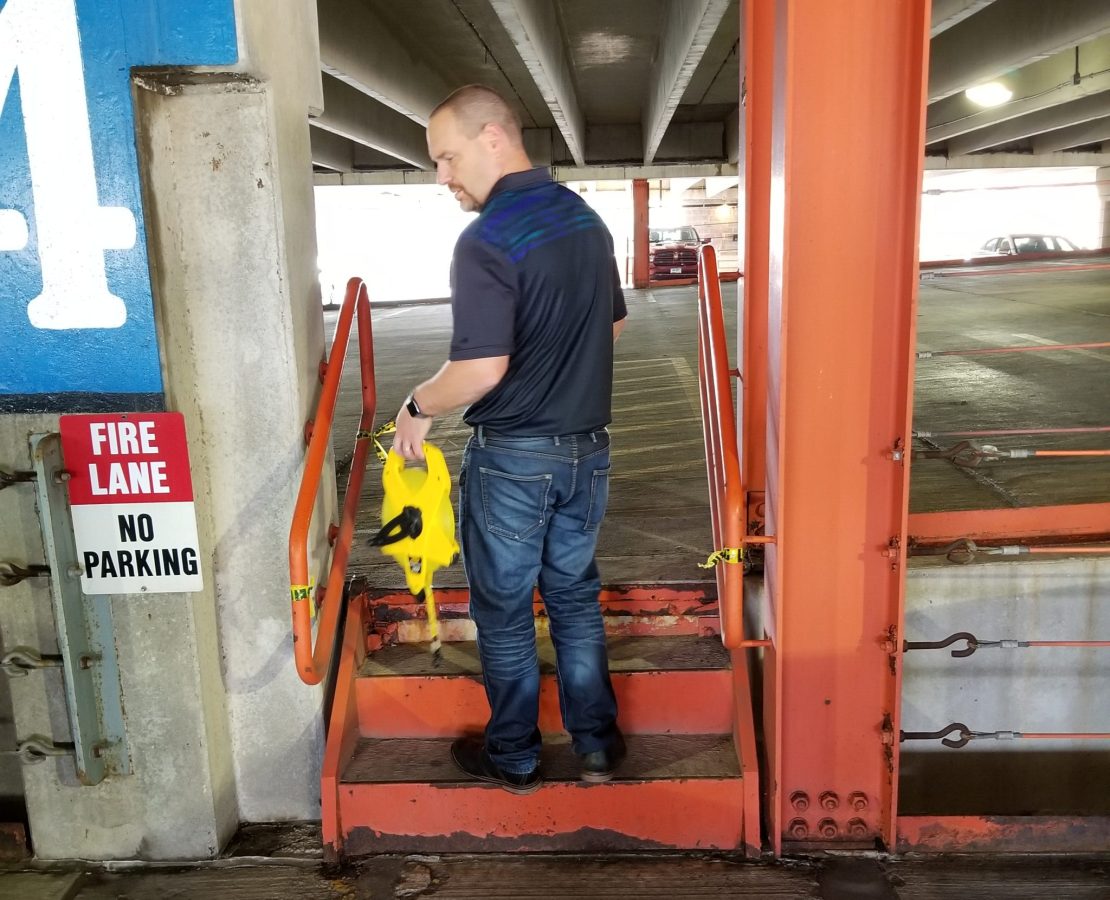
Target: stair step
column 405, row 795
column 401, row 694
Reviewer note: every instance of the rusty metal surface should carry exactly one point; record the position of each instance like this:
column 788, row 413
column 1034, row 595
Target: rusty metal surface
column 1003, row 878
column 549, row 877
column 684, row 701
column 553, row 876
column 13, row 842
column 650, row 756
column 561, row 816
column 626, row 654
column 1002, row 834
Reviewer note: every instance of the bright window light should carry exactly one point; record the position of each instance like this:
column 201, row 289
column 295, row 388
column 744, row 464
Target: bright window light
column 990, row 94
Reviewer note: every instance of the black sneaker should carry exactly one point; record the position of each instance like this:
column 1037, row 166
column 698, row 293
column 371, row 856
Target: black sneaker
column 470, row 756
column 599, row 766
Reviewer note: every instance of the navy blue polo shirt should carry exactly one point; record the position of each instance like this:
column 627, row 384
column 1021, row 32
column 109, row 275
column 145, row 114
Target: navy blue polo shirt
column 534, row 278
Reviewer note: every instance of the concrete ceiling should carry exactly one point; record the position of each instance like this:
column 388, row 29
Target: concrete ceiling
column 640, row 82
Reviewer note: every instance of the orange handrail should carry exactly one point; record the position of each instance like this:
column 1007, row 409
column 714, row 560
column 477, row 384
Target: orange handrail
column 722, row 458
column 313, row 662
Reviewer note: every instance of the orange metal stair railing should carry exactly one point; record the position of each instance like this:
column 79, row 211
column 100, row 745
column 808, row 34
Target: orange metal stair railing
column 727, row 510
column 314, row 660
column 722, row 458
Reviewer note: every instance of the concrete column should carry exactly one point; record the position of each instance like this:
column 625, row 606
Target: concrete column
column 228, row 185
column 1102, row 177
column 640, row 269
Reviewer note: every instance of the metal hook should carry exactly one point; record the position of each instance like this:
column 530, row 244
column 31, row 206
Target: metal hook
column 22, row 660
column 12, row 573
column 7, row 479
column 956, row 727
column 38, row 748
column 973, row 644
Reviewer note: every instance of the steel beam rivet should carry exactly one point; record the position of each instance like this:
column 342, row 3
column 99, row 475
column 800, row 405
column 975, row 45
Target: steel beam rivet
column 829, row 800
column 857, row 828
column 828, row 828
column 800, row 801
column 857, row 800
column 798, row 829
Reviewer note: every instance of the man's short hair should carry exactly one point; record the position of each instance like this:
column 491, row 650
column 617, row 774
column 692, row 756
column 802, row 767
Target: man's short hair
column 476, row 106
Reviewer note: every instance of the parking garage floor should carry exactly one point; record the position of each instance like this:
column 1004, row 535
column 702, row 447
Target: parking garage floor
column 657, row 528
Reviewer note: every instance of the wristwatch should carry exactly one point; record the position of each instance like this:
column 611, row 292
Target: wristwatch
column 414, row 408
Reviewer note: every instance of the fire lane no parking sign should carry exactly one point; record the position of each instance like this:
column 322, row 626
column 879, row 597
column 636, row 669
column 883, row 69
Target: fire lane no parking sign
column 131, row 494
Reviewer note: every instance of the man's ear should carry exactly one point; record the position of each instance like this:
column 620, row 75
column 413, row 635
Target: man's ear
column 492, row 136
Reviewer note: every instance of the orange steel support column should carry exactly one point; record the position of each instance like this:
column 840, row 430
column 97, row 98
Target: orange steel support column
column 846, row 168
column 757, row 25
column 640, row 233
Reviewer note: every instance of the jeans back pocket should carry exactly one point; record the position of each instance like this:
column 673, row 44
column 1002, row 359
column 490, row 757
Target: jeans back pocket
column 599, row 499
column 515, row 506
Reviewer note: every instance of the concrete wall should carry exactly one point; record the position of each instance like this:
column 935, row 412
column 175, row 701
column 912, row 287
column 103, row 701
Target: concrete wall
column 220, row 728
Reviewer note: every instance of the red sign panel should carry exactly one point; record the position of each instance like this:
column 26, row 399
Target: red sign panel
column 127, row 458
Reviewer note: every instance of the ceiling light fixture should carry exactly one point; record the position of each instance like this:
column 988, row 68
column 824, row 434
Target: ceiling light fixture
column 990, row 94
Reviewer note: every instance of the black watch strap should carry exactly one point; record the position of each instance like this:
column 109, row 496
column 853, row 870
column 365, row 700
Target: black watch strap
column 414, row 408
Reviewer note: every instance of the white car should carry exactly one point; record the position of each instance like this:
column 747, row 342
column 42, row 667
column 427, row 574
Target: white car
column 1019, row 244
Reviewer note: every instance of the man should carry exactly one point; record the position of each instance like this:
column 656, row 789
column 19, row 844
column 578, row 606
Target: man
column 537, row 306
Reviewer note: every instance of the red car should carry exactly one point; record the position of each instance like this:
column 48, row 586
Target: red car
column 673, row 252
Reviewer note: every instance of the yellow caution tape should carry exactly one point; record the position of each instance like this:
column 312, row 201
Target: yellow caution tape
column 305, row 592
column 379, row 450
column 725, row 554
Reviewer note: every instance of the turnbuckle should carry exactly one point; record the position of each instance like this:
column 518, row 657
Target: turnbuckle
column 967, row 454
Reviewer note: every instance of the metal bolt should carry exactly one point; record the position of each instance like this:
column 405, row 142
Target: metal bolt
column 88, row 660
column 62, row 476
column 800, row 801
column 828, row 828
column 857, row 800
column 798, row 829
column 74, row 571
column 829, row 800
column 857, row 828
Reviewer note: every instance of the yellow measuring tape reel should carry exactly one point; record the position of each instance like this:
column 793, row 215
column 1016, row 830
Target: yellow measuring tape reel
column 418, row 525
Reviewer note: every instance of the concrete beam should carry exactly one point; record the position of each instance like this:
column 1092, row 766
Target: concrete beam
column 1093, row 132
column 350, row 113
column 1085, row 109
column 688, row 26
column 1007, row 35
column 358, row 48
column 947, row 13
column 732, row 137
column 1016, row 160
column 533, row 26
column 331, row 150
column 559, row 173
column 1041, row 85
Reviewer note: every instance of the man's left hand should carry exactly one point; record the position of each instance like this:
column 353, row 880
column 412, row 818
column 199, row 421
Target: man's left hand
column 411, row 432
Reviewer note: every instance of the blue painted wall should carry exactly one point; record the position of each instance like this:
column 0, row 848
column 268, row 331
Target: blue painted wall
column 83, row 368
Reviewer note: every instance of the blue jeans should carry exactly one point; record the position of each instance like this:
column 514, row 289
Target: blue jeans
column 529, row 513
